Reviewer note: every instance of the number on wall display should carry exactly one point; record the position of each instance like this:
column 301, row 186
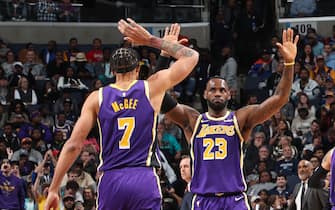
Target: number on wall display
column 209, row 144
column 127, row 124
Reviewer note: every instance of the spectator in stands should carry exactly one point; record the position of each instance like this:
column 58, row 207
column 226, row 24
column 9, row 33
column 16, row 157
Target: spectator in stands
column 47, row 11
column 301, row 123
column 265, row 182
column 328, row 99
column 3, row 50
column 95, row 54
column 246, row 35
column 56, row 67
column 327, row 49
column 22, row 54
column 46, row 116
column 17, row 74
column 9, row 137
column 83, row 178
column 252, row 150
column 284, row 141
column 258, row 74
column 102, row 69
column 12, row 189
column 17, row 10
column 315, row 162
column 62, row 125
column 89, row 198
column 8, row 65
column 33, row 156
column 297, row 68
column 18, row 114
column 44, row 170
column 3, row 116
column 303, row 101
column 67, row 12
column 302, row 8
column 223, row 28
column 313, row 131
column 316, row 143
column 274, row 78
column 58, row 141
column 69, row 201
column 322, row 72
column 306, row 85
column 168, row 144
column 70, row 83
column 26, row 129
column 281, row 189
column 32, row 65
column 288, row 164
column 89, row 163
column 24, row 93
column 71, row 116
column 228, row 69
column 307, row 57
column 83, row 69
column 71, row 52
column 312, row 39
column 264, row 156
column 185, row 173
column 49, row 95
column 48, row 54
column 3, row 87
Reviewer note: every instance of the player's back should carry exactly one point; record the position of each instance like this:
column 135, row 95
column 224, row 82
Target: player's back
column 127, row 124
column 216, row 151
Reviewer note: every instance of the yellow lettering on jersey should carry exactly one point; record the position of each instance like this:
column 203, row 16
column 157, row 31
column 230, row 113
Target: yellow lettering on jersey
column 115, row 106
column 215, row 129
column 128, row 103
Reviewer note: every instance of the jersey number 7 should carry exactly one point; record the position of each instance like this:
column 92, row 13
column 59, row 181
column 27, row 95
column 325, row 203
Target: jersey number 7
column 127, row 124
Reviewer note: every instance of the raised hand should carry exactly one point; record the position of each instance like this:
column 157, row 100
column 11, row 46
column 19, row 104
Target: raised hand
column 133, row 32
column 288, row 49
column 171, row 34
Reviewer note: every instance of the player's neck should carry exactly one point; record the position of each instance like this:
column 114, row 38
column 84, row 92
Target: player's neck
column 123, row 80
column 217, row 114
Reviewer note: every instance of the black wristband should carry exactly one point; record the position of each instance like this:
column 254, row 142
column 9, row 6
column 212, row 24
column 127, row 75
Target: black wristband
column 168, row 103
column 316, row 180
column 162, row 63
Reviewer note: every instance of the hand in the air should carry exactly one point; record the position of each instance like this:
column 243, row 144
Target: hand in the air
column 171, row 34
column 288, row 48
column 133, row 32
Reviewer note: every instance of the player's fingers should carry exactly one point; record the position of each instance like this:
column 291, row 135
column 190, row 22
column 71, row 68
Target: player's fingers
column 132, row 22
column 183, row 41
column 177, row 29
column 279, row 45
column 290, row 35
column 166, row 32
column 296, row 39
column 173, row 29
column 284, row 36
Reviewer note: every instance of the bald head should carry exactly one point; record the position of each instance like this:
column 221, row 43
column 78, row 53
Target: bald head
column 305, row 170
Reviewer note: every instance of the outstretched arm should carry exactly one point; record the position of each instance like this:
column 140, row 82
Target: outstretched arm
column 316, row 180
column 73, row 146
column 186, row 57
column 250, row 116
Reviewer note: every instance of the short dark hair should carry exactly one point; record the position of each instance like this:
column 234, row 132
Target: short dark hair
column 124, row 60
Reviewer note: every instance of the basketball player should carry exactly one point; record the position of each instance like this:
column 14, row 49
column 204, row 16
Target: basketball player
column 216, row 137
column 126, row 113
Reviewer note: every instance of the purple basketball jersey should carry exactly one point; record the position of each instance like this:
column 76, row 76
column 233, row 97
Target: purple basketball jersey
column 216, row 151
column 332, row 181
column 127, row 124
